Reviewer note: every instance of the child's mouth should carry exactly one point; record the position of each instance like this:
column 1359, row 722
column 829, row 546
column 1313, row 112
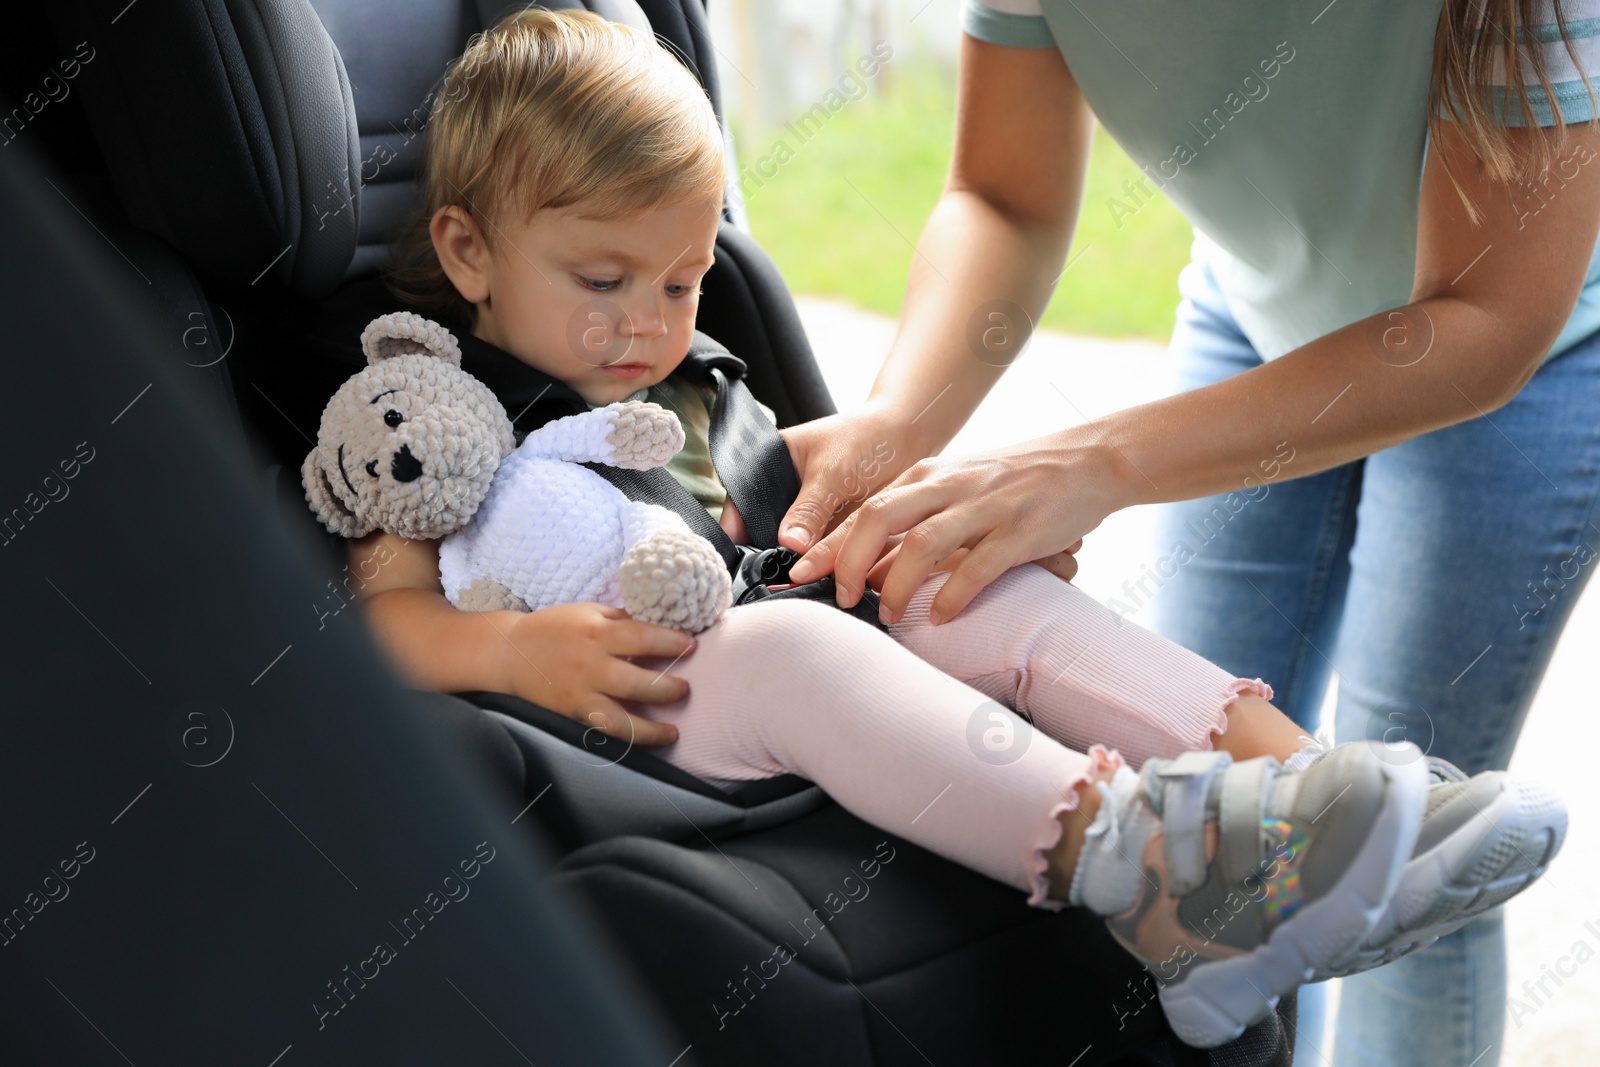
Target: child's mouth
column 626, row 370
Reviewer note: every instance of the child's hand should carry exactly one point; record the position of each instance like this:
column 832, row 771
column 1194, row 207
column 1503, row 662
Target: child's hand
column 570, row 659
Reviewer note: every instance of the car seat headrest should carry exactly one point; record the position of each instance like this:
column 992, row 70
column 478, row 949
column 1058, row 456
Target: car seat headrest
column 285, row 144
column 244, row 155
column 627, row 11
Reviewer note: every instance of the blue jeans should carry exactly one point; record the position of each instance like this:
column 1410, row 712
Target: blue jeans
column 1433, row 578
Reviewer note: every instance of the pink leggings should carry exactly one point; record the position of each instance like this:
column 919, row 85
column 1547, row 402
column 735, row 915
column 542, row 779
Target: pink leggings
column 906, row 732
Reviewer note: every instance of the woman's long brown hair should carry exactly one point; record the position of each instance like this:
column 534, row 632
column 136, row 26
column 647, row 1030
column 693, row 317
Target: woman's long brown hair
column 1472, row 35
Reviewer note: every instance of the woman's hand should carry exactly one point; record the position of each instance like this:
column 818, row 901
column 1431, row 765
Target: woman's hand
column 979, row 516
column 841, row 459
column 1063, row 564
column 732, row 523
column 571, row 658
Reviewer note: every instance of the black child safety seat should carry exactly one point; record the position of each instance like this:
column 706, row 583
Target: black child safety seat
column 250, row 159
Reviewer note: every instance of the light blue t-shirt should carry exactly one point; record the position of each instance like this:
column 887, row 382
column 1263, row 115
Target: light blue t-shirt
column 1292, row 135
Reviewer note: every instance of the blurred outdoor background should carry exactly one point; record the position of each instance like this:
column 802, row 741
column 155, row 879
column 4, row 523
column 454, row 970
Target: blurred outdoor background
column 842, row 113
column 840, row 170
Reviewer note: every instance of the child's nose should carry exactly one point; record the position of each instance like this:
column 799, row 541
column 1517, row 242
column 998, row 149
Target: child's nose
column 645, row 319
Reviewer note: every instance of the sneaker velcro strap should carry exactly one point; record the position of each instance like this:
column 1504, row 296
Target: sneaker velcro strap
column 1240, row 838
column 1186, row 780
column 1194, row 763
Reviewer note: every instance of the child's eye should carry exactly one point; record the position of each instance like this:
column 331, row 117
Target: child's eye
column 683, row 290
column 600, row 285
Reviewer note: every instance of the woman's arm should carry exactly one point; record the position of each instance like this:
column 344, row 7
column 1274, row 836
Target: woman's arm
column 1487, row 303
column 1491, row 298
column 570, row 658
column 999, row 233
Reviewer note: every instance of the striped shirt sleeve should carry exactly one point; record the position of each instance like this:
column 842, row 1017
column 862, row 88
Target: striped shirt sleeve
column 1013, row 23
column 1570, row 96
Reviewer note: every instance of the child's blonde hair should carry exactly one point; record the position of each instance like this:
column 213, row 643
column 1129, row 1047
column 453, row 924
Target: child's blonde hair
column 553, row 110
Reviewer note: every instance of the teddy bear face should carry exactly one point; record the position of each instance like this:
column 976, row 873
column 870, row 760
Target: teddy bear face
column 409, row 445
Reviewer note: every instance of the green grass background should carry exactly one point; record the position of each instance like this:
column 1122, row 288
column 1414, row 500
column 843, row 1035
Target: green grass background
column 893, row 145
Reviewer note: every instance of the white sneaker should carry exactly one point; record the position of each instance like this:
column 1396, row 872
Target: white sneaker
column 1484, row 839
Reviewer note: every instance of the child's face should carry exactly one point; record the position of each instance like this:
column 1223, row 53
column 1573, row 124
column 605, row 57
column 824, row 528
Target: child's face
column 606, row 306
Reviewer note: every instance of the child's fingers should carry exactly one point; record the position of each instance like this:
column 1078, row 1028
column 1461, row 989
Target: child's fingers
column 630, row 637
column 612, row 719
column 647, row 683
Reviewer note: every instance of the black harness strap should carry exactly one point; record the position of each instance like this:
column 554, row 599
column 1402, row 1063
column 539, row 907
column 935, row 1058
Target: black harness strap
column 752, row 460
column 656, row 486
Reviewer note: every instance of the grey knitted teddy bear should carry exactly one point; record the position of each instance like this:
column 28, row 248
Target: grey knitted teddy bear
column 415, row 445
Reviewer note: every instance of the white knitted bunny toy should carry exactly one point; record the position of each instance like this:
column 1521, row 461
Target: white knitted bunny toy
column 415, row 445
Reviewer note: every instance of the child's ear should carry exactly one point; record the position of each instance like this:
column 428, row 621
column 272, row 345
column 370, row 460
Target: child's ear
column 462, row 252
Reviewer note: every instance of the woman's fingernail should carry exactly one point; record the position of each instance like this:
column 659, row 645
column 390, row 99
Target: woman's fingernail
column 799, row 534
column 935, row 617
column 801, row 571
column 883, row 614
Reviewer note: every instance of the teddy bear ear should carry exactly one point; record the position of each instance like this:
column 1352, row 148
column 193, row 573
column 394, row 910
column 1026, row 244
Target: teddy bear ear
column 404, row 331
column 329, row 508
